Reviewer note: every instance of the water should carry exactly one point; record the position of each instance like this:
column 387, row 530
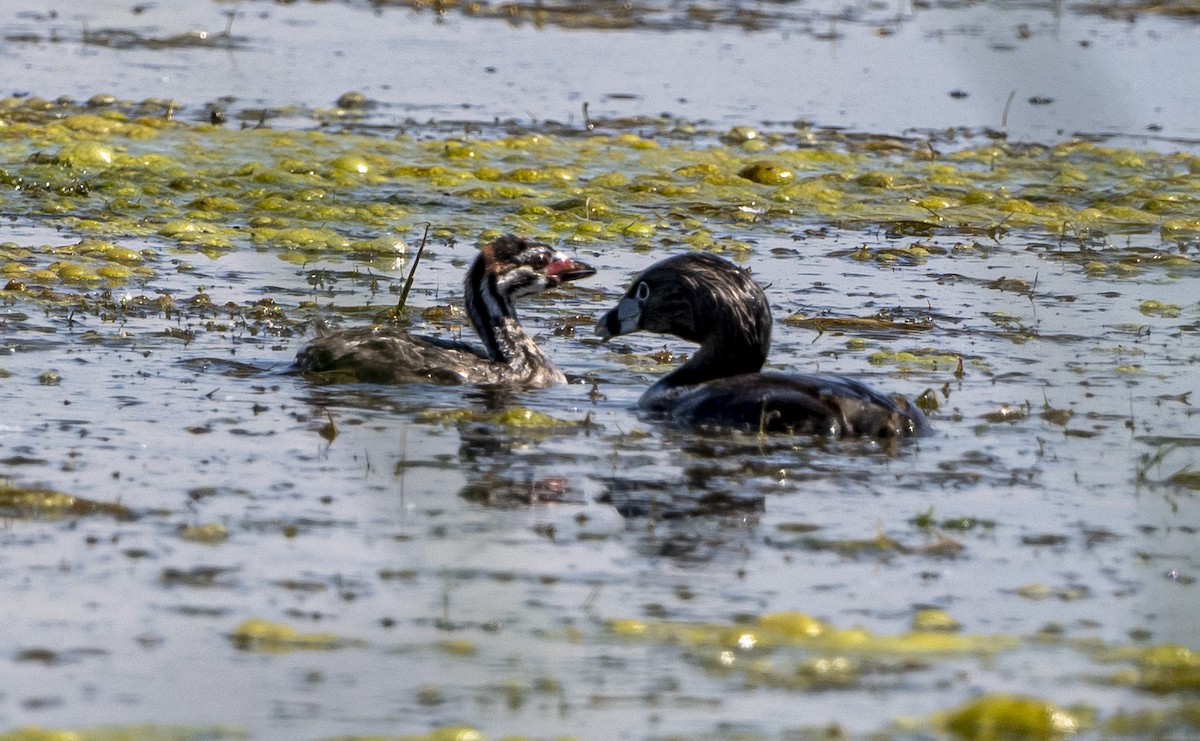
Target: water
column 881, row 68
column 473, row 568
column 405, row 535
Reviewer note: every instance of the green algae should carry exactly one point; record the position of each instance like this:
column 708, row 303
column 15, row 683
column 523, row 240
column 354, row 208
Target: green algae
column 512, row 418
column 31, row 503
column 211, row 533
column 926, row 520
column 127, row 177
column 1160, row 669
column 1159, row 309
column 767, row 173
column 925, row 358
column 796, row 629
column 798, row 652
column 936, row 620
column 1009, row 717
column 1169, row 668
column 88, row 263
column 118, row 175
column 1181, row 721
column 267, row 637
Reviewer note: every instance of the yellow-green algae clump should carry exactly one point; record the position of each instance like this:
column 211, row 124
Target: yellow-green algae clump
column 34, row 503
column 262, row 635
column 1010, row 717
column 514, row 418
column 800, row 629
column 764, row 651
column 119, row 175
column 211, row 533
column 1163, row 669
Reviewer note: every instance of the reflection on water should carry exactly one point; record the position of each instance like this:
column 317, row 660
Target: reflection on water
column 166, row 480
column 476, row 561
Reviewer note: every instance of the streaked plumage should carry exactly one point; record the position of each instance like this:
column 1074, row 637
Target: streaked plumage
column 505, row 270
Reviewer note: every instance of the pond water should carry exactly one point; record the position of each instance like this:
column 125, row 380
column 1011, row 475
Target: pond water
column 876, row 67
column 599, row 576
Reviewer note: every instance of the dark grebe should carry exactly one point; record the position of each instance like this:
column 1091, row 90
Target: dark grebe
column 505, row 270
column 707, row 300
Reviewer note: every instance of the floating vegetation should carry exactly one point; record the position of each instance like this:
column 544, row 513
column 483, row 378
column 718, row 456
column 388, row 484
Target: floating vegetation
column 864, row 325
column 268, row 637
column 1007, row 414
column 512, row 418
column 1159, row 309
column 210, row 534
column 796, row 651
column 935, row 620
column 797, row 629
column 1161, row 669
column 767, row 173
column 120, row 175
column 925, row 358
column 45, row 504
column 926, row 520
column 1001, row 717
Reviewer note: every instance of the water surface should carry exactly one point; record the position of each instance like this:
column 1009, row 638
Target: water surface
column 477, row 573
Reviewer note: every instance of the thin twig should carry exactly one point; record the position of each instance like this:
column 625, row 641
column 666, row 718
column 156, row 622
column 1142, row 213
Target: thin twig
column 412, row 272
column 1004, row 117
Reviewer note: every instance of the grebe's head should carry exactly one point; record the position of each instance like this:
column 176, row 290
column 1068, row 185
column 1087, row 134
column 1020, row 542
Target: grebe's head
column 696, row 297
column 513, row 267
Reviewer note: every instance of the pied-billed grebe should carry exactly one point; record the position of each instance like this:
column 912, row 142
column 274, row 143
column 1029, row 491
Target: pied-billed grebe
column 505, row 270
column 705, row 299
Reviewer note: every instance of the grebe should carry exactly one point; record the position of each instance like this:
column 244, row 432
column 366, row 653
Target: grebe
column 705, row 299
column 505, row 270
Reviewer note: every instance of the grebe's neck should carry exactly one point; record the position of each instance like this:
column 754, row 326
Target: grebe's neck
column 737, row 342
column 495, row 321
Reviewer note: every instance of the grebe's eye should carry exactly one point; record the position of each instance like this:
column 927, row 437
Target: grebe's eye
column 540, row 260
column 643, row 291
